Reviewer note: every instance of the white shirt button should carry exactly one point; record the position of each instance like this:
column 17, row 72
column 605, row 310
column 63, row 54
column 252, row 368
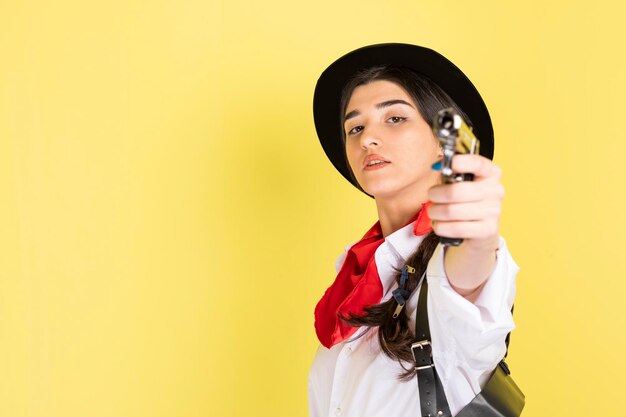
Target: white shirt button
column 338, row 411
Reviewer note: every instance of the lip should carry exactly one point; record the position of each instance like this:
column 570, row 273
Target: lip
column 372, row 157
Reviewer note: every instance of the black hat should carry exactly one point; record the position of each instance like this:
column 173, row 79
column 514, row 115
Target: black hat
column 327, row 96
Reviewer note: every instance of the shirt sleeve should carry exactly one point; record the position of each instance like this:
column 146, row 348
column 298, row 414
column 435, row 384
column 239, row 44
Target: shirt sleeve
column 469, row 338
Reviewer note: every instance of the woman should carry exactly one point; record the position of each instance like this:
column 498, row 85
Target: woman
column 373, row 110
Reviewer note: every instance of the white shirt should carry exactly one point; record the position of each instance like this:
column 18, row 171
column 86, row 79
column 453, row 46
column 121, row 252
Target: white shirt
column 356, row 379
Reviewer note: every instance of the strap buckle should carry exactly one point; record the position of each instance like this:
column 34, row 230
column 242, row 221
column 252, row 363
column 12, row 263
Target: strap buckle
column 422, row 354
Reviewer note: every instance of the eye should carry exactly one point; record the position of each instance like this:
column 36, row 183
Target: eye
column 396, row 119
column 355, row 130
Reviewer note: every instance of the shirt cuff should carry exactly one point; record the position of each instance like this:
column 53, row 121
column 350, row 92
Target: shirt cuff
column 495, row 298
column 476, row 330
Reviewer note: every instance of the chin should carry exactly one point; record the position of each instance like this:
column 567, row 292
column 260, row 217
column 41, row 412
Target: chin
column 389, row 188
column 382, row 189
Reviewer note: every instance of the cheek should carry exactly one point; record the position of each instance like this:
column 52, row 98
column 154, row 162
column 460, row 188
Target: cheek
column 418, row 156
column 350, row 156
column 352, row 151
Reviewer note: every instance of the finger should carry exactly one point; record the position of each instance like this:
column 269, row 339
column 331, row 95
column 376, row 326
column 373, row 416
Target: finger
column 466, row 192
column 478, row 165
column 473, row 211
column 466, row 229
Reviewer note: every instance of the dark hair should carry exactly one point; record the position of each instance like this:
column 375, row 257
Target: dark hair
column 395, row 335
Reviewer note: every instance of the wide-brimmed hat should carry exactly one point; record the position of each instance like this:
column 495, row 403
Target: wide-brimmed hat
column 326, row 100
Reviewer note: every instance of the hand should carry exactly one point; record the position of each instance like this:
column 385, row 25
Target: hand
column 471, row 209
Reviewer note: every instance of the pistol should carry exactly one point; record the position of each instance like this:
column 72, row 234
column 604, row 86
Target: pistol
column 455, row 137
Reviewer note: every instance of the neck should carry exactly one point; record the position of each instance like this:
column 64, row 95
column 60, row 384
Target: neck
column 395, row 211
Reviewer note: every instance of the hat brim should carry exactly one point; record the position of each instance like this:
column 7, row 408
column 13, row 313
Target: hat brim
column 327, row 96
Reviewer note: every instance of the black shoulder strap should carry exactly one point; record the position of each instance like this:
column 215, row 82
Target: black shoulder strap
column 508, row 336
column 433, row 400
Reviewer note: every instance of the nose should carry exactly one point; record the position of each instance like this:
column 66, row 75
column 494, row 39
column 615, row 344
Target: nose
column 369, row 137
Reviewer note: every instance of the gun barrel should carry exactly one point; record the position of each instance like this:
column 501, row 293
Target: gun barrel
column 454, row 133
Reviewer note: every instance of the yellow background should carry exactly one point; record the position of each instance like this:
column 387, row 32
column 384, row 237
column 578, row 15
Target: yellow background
column 168, row 219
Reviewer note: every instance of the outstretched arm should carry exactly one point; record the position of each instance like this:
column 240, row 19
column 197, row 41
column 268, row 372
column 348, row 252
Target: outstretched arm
column 469, row 210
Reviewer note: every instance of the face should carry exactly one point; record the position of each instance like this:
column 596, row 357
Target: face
column 382, row 121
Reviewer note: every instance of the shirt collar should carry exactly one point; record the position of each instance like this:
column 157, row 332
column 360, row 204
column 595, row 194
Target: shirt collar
column 409, row 236
column 404, row 241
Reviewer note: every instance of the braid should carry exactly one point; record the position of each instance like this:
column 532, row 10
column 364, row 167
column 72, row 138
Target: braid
column 395, row 335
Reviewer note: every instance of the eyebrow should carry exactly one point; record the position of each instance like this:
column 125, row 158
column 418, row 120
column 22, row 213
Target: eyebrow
column 382, row 105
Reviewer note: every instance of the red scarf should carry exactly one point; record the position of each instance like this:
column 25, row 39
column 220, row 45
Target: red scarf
column 357, row 284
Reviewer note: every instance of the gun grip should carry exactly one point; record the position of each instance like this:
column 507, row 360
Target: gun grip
column 454, row 241
column 463, row 177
